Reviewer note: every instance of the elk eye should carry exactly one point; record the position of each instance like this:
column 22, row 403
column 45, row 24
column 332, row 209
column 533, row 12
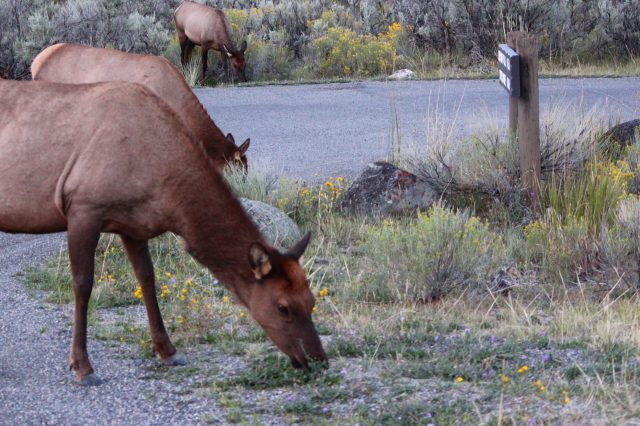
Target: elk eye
column 283, row 310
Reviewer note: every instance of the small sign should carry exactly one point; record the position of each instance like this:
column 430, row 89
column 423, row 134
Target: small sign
column 509, row 69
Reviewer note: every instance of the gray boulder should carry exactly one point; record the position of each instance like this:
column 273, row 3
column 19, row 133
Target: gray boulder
column 385, row 190
column 278, row 228
column 620, row 136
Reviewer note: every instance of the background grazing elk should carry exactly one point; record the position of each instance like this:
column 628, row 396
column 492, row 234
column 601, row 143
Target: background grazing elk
column 204, row 26
column 72, row 63
column 110, row 157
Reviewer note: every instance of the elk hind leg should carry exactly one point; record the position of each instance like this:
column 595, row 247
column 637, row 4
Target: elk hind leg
column 83, row 235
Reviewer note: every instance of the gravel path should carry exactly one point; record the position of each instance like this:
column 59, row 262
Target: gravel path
column 35, row 384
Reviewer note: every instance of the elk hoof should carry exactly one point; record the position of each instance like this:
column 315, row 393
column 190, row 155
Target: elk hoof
column 175, row 360
column 89, row 380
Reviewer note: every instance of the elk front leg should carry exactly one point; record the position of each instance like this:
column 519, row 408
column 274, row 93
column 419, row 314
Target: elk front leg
column 83, row 235
column 138, row 253
column 225, row 65
column 184, row 50
column 205, row 56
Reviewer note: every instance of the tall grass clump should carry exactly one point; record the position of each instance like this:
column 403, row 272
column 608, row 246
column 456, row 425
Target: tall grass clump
column 256, row 185
column 483, row 169
column 440, row 253
column 578, row 211
column 624, row 241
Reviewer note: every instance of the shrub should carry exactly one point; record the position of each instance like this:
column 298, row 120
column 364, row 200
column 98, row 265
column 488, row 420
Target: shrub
column 344, row 53
column 268, row 60
column 440, row 253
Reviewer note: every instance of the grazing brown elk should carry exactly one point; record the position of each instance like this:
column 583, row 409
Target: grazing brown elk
column 72, row 63
column 204, row 26
column 109, row 157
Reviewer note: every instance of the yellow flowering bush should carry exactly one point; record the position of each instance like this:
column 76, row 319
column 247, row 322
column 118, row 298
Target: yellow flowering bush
column 306, row 203
column 342, row 52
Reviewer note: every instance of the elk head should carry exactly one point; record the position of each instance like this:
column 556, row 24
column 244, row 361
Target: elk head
column 238, row 157
column 282, row 302
column 236, row 57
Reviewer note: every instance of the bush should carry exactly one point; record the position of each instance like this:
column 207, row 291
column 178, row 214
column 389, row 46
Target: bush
column 440, row 253
column 268, row 61
column 344, row 53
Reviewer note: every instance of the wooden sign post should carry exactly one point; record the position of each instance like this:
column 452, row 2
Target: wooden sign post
column 524, row 109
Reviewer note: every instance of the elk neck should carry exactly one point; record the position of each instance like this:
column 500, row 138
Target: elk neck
column 217, row 231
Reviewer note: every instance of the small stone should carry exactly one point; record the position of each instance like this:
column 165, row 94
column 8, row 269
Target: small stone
column 403, row 74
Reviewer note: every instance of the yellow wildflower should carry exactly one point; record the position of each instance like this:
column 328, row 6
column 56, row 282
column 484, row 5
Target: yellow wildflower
column 242, row 314
column 168, row 274
column 180, row 319
column 225, row 299
column 314, row 310
column 459, row 379
column 505, row 379
column 138, row 292
column 523, row 369
column 323, row 292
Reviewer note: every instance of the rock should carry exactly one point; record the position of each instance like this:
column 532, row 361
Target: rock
column 383, row 189
column 278, row 228
column 403, row 74
column 620, row 136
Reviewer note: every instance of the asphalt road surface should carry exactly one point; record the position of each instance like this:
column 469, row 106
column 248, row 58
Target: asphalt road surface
column 318, row 131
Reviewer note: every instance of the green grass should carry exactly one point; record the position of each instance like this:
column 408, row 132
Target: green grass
column 275, row 371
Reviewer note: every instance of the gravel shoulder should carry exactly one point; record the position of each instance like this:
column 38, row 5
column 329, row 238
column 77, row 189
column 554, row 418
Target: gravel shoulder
column 36, row 386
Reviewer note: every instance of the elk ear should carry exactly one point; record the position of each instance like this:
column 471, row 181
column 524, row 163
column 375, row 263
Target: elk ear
column 298, row 249
column 259, row 260
column 243, row 46
column 245, row 146
column 226, row 50
column 230, row 138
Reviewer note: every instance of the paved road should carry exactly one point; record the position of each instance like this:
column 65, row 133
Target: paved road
column 317, row 131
